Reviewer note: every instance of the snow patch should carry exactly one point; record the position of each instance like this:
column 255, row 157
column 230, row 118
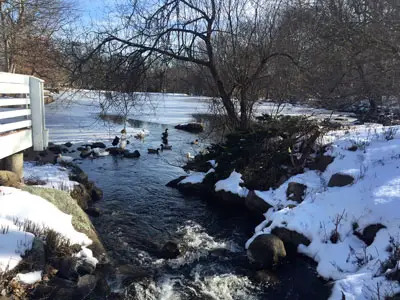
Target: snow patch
column 29, row 278
column 232, row 184
column 49, row 176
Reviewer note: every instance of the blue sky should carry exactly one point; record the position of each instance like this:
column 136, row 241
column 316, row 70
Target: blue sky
column 93, row 9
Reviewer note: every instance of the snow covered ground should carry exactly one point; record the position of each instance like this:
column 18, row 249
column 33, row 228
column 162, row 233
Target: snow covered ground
column 373, row 198
column 48, row 175
column 19, row 207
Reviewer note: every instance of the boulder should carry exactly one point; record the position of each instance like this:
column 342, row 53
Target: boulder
column 191, row 127
column 98, row 145
column 86, row 285
column 267, row 277
column 170, row 250
column 96, row 193
column 78, row 175
column 295, row 191
column 81, row 195
column 8, row 178
column 56, row 149
column 85, row 268
column 353, row 148
column 369, row 233
column 230, row 198
column 67, row 268
column 68, row 144
column 85, row 153
column 256, row 204
column 266, row 251
column 174, row 183
column 321, row 163
column 291, row 239
column 102, row 288
column 340, row 180
column 190, row 188
column 93, row 212
column 115, row 151
column 134, row 154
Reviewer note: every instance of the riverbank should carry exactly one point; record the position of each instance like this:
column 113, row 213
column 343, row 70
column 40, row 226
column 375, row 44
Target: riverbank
column 338, row 208
column 57, row 250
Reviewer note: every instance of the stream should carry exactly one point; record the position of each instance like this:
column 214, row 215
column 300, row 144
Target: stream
column 140, row 214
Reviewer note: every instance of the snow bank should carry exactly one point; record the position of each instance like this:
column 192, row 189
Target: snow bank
column 17, row 206
column 373, row 198
column 232, row 184
column 49, row 175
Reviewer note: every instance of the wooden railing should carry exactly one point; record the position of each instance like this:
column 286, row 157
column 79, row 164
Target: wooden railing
column 22, row 119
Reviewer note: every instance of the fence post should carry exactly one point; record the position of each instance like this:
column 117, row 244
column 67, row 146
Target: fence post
column 36, row 95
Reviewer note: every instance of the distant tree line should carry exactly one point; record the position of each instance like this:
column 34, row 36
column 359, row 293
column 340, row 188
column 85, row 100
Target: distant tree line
column 331, row 52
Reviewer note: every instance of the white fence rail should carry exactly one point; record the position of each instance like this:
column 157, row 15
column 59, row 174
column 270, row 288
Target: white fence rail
column 22, row 119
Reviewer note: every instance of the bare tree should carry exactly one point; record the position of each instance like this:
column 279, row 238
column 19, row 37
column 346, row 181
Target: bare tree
column 27, row 27
column 233, row 40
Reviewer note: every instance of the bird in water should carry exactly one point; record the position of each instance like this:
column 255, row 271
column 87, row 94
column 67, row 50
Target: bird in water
column 189, row 156
column 153, row 151
column 115, row 141
column 97, row 152
column 165, row 133
column 140, row 135
column 122, row 143
column 64, row 159
column 165, row 147
column 195, row 142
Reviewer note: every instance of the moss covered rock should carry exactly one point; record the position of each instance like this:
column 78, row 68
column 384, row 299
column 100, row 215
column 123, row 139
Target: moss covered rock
column 81, row 222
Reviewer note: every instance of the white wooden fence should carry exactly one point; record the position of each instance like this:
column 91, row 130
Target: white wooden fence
column 22, row 119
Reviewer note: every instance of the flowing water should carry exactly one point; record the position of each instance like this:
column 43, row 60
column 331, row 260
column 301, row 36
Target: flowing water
column 140, row 214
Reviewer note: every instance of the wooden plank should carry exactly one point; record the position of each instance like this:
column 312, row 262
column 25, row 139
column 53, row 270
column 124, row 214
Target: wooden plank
column 15, row 142
column 14, row 83
column 15, row 126
column 14, row 113
column 14, row 101
column 38, row 118
column 14, row 78
column 13, row 88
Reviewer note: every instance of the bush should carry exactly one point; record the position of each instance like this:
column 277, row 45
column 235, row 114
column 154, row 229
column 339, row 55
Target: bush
column 273, row 150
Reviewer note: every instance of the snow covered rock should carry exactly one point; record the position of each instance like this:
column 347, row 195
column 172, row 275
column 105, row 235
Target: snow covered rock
column 340, row 180
column 174, row 183
column 8, row 178
column 266, row 250
column 295, row 191
column 291, row 239
column 256, row 204
column 192, row 184
column 229, row 190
